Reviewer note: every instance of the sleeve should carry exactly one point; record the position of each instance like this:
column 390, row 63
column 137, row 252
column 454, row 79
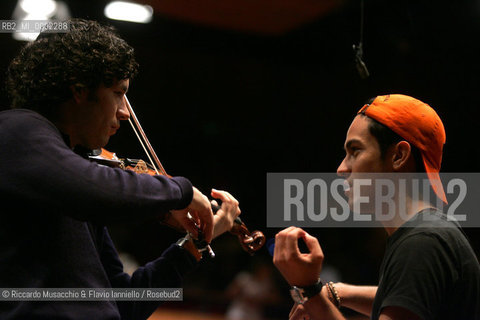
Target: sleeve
column 38, row 167
column 419, row 276
column 167, row 271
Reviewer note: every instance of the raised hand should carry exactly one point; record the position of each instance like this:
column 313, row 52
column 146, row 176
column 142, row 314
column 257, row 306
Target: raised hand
column 229, row 210
column 299, row 269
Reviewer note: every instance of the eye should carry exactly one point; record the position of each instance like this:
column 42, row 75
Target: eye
column 119, row 94
column 354, row 151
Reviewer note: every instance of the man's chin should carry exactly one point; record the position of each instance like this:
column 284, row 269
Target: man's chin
column 358, row 207
column 98, row 145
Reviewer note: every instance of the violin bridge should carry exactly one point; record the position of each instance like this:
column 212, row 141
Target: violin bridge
column 141, row 167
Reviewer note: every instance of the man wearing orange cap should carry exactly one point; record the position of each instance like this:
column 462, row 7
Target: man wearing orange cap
column 429, row 269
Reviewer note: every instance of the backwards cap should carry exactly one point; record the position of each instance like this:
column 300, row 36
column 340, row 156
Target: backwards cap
column 417, row 123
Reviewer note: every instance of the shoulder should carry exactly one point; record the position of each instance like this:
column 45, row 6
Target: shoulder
column 24, row 124
column 427, row 268
column 429, row 242
column 23, row 118
column 436, row 246
column 22, row 115
column 430, row 227
column 25, row 134
column 422, row 244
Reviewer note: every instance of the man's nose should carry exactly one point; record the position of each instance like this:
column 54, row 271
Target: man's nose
column 343, row 169
column 122, row 112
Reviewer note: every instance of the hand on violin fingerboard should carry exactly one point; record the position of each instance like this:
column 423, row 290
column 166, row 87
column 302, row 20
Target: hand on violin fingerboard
column 227, row 212
column 201, row 211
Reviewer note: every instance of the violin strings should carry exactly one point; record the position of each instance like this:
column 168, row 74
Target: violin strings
column 157, row 165
column 143, row 146
column 144, row 139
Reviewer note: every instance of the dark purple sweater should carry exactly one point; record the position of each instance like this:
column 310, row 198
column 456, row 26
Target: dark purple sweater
column 55, row 204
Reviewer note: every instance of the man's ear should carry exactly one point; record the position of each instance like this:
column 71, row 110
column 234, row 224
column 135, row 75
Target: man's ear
column 79, row 93
column 402, row 158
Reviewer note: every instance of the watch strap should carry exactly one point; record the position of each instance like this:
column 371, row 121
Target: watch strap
column 302, row 294
column 313, row 290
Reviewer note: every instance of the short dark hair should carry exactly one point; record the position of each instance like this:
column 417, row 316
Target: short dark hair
column 386, row 138
column 89, row 54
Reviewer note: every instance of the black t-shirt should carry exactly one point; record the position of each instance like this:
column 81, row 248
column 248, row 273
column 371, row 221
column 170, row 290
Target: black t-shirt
column 430, row 269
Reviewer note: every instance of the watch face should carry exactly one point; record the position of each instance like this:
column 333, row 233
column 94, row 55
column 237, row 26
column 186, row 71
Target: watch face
column 297, row 295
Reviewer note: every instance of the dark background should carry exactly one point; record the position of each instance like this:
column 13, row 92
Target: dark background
column 223, row 106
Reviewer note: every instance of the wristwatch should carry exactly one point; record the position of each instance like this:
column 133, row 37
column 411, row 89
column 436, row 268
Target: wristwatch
column 301, row 295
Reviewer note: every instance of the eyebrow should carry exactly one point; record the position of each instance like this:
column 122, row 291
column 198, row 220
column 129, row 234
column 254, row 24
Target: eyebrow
column 349, row 143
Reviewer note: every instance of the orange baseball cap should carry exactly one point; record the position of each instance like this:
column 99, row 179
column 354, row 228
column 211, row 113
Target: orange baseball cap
column 419, row 124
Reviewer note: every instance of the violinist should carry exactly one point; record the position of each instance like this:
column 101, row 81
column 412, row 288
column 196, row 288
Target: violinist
column 68, row 98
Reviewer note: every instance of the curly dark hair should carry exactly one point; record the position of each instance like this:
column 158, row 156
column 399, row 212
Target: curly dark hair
column 89, row 54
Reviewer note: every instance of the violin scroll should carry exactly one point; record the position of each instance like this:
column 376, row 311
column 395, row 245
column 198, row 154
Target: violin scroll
column 250, row 241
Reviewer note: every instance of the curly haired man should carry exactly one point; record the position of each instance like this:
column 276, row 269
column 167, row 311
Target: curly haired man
column 68, row 98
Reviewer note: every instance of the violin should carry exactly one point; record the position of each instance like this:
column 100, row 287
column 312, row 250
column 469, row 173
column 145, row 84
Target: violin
column 249, row 241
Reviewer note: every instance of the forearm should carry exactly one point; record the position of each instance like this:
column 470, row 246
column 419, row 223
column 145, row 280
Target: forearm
column 358, row 298
column 52, row 176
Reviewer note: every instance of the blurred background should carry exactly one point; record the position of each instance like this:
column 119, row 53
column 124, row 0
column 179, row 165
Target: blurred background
column 230, row 90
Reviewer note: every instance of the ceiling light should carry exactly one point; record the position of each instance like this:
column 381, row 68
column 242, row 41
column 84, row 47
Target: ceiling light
column 39, row 7
column 128, row 11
